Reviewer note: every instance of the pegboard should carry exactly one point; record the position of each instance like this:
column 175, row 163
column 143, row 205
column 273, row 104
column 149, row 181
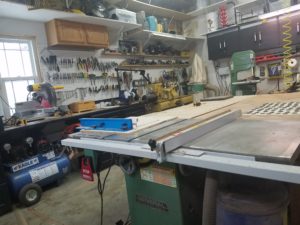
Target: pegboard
column 82, row 81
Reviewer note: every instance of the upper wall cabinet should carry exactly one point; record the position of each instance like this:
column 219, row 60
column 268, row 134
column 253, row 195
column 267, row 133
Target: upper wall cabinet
column 62, row 34
column 222, row 45
column 263, row 37
column 66, row 33
column 260, row 37
column 96, row 35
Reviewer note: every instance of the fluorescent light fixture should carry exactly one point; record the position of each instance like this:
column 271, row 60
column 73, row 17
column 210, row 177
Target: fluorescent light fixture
column 280, row 12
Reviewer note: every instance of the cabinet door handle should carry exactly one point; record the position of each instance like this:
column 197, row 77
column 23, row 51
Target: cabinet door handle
column 259, row 36
column 298, row 27
column 255, row 38
column 224, row 44
column 220, row 45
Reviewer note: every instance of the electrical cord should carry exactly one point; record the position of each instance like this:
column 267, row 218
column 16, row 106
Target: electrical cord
column 101, row 188
column 14, row 118
column 3, row 100
column 128, row 221
column 27, row 98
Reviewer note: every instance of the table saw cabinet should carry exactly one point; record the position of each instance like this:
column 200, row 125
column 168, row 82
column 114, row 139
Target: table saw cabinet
column 160, row 194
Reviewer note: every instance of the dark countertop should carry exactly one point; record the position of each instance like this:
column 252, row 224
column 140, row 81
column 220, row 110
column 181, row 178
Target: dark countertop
column 58, row 122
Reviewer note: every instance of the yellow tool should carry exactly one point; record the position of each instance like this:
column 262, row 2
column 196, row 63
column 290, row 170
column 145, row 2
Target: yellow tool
column 37, row 87
column 160, row 98
column 21, row 122
column 44, row 93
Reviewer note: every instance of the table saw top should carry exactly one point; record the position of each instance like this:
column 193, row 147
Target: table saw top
column 191, row 135
column 267, row 140
column 266, row 137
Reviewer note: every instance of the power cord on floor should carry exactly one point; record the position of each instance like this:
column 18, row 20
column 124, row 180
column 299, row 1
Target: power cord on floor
column 101, row 187
column 128, row 220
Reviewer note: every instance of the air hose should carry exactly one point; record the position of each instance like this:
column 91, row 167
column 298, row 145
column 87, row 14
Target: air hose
column 287, row 54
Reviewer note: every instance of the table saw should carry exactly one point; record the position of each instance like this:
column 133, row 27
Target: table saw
column 256, row 136
column 218, row 135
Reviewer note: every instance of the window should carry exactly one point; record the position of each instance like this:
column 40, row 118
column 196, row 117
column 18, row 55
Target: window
column 17, row 71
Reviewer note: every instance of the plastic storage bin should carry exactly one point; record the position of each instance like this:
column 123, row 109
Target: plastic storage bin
column 262, row 203
column 123, row 15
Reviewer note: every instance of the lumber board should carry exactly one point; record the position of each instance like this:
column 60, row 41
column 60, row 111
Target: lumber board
column 206, row 110
column 139, row 123
column 191, row 111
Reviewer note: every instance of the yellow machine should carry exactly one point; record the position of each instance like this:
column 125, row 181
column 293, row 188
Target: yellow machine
column 160, row 98
column 38, row 87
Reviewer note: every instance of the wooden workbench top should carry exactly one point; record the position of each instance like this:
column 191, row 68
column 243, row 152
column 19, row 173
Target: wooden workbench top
column 243, row 103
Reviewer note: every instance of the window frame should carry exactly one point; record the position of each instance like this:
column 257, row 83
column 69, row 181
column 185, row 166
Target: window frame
column 34, row 56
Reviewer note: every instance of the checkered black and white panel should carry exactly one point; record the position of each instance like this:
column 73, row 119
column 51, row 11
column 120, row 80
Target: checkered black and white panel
column 277, row 108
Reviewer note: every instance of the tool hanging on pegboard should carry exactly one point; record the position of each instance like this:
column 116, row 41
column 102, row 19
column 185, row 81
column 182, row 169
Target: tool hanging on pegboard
column 85, row 78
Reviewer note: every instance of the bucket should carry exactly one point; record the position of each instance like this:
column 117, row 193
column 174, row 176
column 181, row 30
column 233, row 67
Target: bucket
column 262, row 203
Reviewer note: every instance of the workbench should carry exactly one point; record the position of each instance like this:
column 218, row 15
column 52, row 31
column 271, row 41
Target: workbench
column 218, row 135
column 57, row 124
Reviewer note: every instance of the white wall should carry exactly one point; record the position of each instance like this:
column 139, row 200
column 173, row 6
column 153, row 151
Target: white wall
column 24, row 28
column 21, row 28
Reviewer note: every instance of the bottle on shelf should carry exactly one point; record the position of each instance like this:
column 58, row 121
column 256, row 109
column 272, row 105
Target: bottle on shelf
column 152, row 23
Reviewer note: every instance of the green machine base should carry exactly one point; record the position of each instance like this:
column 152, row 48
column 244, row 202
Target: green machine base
column 242, row 61
column 160, row 195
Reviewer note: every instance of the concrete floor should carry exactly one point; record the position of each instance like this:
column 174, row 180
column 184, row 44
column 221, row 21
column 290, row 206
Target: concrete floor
column 75, row 202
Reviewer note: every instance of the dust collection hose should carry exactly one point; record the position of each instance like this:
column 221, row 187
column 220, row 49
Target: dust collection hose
column 287, row 42
column 210, row 199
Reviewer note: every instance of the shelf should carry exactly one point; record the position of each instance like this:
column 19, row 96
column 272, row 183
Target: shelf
column 208, row 8
column 20, row 11
column 178, row 41
column 136, row 6
column 153, row 66
column 140, row 34
column 249, row 3
column 144, row 56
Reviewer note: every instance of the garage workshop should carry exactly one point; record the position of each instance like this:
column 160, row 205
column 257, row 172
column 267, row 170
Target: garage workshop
column 149, row 112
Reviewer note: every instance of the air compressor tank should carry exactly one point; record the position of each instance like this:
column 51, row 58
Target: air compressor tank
column 40, row 174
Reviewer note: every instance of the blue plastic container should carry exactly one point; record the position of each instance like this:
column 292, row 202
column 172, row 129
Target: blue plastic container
column 264, row 204
column 152, row 21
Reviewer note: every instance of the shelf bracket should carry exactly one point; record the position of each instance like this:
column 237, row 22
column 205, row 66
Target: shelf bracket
column 147, row 40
